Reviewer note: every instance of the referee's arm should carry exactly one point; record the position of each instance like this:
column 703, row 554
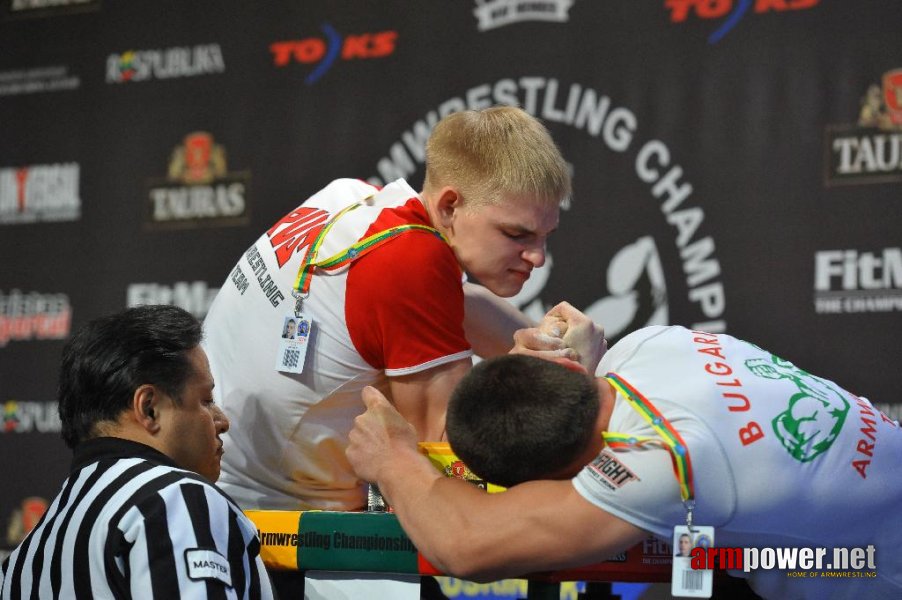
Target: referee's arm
column 189, row 541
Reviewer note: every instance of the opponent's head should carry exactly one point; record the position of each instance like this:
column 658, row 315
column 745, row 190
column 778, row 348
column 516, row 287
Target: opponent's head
column 516, row 418
column 494, row 182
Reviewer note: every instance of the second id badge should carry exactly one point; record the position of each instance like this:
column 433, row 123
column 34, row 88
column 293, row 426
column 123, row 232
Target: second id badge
column 691, row 546
column 296, row 329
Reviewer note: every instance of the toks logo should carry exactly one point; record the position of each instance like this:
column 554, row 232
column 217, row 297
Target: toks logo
column 198, row 189
column 872, row 151
column 733, row 10
column 324, row 53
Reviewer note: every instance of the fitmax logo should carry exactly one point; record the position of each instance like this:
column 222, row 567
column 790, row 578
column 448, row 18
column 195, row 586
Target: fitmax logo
column 325, row 52
column 734, row 11
column 853, row 281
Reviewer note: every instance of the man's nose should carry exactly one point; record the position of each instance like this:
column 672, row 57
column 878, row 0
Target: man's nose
column 221, row 420
column 535, row 256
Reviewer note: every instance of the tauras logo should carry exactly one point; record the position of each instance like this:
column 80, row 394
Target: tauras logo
column 143, row 65
column 491, row 14
column 638, row 291
column 198, row 189
column 870, row 152
column 855, row 281
column 193, row 296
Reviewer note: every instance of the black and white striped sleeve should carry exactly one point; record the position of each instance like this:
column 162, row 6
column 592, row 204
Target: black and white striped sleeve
column 187, row 540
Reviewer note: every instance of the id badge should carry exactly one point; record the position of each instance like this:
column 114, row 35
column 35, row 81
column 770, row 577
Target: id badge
column 295, row 335
column 692, row 547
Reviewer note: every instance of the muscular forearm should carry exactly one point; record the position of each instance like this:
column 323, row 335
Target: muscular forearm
column 440, row 515
column 490, row 321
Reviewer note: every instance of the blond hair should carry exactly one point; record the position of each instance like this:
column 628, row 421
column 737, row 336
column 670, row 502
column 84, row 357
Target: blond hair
column 494, row 151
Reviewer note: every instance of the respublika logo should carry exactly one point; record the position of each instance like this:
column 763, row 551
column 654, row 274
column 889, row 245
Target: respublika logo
column 492, row 14
column 323, row 52
column 192, row 296
column 731, row 11
column 637, row 291
column 858, row 281
column 33, row 316
column 872, row 151
column 26, row 417
column 198, row 189
column 168, row 63
column 39, row 193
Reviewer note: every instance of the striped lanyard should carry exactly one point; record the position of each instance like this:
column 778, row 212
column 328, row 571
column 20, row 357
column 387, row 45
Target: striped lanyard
column 360, row 248
column 667, row 435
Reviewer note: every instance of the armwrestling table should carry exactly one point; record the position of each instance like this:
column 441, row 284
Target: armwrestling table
column 373, row 542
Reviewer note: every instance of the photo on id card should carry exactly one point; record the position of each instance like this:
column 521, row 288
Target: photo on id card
column 293, row 343
column 687, row 582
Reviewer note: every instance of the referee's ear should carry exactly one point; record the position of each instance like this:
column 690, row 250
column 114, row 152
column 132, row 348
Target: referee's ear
column 145, row 407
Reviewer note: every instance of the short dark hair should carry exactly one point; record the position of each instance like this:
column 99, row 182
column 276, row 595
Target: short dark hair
column 109, row 358
column 516, row 418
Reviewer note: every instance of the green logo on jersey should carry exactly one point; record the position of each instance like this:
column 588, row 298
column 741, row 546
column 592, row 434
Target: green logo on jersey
column 814, row 416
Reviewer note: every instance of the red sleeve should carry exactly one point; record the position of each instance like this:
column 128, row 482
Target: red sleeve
column 404, row 305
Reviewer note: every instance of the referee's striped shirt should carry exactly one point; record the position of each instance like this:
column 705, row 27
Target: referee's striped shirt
column 129, row 524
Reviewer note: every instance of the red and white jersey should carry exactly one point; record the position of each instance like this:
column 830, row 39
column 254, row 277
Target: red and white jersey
column 394, row 311
column 780, row 457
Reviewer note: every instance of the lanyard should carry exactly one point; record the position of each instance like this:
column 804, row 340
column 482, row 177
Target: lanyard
column 358, row 249
column 668, row 436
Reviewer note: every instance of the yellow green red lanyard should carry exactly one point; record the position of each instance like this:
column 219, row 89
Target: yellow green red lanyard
column 669, row 437
column 353, row 252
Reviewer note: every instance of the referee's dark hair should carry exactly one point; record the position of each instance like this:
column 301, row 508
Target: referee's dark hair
column 517, row 418
column 109, row 358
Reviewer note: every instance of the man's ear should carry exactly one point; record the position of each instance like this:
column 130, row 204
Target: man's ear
column 146, row 407
column 449, row 202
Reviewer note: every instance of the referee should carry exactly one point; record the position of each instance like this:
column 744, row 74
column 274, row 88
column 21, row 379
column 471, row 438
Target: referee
column 139, row 516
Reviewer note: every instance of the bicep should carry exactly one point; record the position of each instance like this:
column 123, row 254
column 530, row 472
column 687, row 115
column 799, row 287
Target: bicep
column 422, row 397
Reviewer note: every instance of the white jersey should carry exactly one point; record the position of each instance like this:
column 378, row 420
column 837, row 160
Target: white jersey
column 780, row 457
column 396, row 310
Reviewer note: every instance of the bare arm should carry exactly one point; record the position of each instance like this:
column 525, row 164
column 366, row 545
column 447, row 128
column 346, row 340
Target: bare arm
column 490, row 321
column 535, row 526
column 422, row 398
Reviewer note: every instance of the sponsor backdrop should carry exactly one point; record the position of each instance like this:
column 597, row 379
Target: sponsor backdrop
column 737, row 164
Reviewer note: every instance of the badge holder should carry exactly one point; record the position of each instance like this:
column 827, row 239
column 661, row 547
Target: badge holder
column 690, row 544
column 296, row 330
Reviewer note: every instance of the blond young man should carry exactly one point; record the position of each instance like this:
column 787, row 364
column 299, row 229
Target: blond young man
column 391, row 312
